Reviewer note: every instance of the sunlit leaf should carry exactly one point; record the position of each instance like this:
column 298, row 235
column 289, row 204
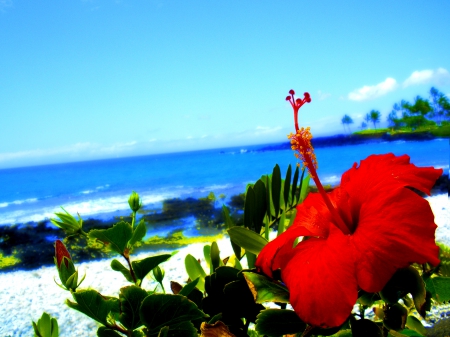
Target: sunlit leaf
column 265, row 289
column 186, row 290
column 247, row 239
column 439, row 287
column 138, row 233
column 143, row 267
column 117, row 236
column 305, row 188
column 195, row 270
column 93, row 304
column 117, row 266
column 215, row 256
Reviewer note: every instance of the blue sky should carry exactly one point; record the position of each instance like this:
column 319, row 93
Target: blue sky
column 92, row 79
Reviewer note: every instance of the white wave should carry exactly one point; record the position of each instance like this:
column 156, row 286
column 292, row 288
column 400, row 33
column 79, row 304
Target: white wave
column 84, row 208
column 4, row 204
column 19, row 202
column 215, row 188
column 332, row 180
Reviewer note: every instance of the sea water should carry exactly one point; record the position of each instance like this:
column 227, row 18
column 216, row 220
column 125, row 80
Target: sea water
column 100, row 189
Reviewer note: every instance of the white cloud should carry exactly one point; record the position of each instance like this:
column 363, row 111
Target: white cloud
column 373, row 91
column 439, row 76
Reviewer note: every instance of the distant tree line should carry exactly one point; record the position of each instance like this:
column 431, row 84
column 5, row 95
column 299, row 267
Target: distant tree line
column 422, row 112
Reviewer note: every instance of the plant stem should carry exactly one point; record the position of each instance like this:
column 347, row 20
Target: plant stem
column 131, row 268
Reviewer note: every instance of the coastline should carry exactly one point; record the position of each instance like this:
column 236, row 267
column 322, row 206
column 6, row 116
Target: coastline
column 37, row 292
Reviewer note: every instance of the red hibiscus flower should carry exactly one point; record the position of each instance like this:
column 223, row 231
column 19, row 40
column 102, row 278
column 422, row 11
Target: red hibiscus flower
column 358, row 235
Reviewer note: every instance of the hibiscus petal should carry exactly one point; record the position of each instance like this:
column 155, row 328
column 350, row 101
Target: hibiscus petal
column 320, row 276
column 377, row 173
column 271, row 257
column 395, row 229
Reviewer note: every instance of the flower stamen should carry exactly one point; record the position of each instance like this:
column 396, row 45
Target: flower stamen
column 301, row 143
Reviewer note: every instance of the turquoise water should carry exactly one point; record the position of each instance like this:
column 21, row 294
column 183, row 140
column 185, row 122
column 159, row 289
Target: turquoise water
column 99, row 188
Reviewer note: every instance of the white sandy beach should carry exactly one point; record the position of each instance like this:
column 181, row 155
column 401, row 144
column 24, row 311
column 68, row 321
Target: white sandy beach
column 25, row 295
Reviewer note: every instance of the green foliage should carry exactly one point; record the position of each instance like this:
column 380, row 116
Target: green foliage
column 265, row 289
column 195, row 270
column 68, row 223
column 116, row 237
column 143, row 267
column 277, row 322
column 131, row 298
column 46, row 326
column 173, row 311
column 91, row 303
column 247, row 239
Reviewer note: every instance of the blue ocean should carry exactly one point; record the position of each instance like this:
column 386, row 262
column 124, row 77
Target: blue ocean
column 100, row 189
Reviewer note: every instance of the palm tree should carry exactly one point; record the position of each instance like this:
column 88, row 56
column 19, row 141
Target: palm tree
column 375, row 117
column 347, row 120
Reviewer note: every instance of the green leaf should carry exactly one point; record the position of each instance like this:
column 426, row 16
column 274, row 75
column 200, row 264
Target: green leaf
column 187, row 289
column 174, row 311
column 305, row 188
column 251, row 259
column 365, row 328
column 143, row 267
column 277, row 322
column 249, row 208
column 46, row 326
column 267, row 180
column 131, row 298
column 266, row 290
column 68, row 222
column 247, row 239
column 93, row 304
column 215, row 256
column 226, row 215
column 207, row 255
column 276, row 188
column 414, row 324
column 138, row 233
column 403, row 333
column 439, row 287
column 281, row 223
column 163, row 332
column 117, row 236
column 294, row 184
column 105, row 332
column 195, row 270
column 287, row 186
column 117, row 266
column 259, row 190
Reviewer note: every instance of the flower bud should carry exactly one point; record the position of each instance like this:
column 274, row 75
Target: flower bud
column 134, row 202
column 66, row 269
column 158, row 273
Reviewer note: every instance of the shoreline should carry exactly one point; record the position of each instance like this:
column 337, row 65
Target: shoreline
column 36, row 290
